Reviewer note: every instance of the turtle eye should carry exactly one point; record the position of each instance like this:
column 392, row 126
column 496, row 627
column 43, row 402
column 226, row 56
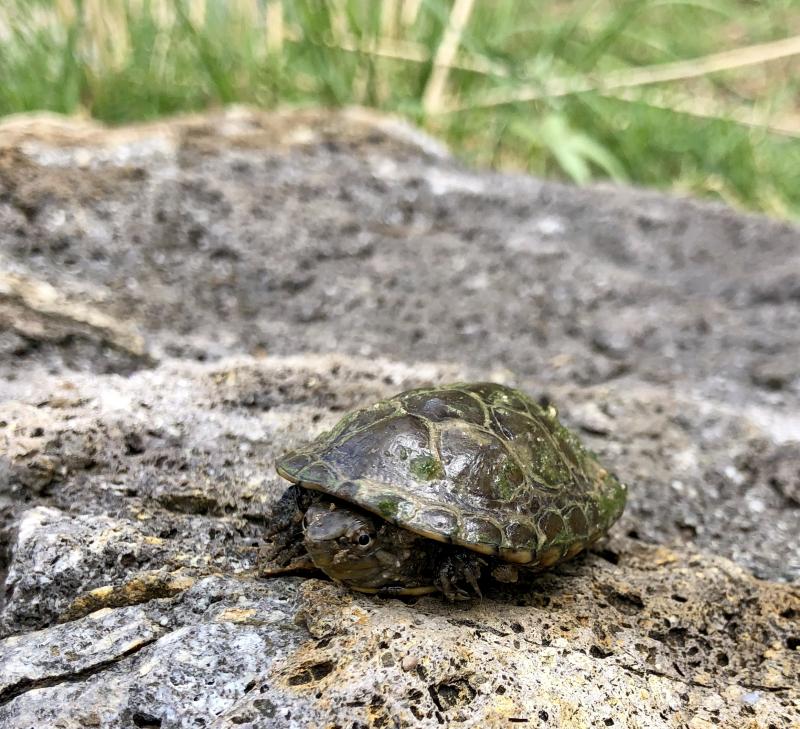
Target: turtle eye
column 363, row 539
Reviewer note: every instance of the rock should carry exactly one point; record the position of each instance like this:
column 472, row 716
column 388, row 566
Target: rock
column 64, row 652
column 776, row 467
column 247, row 232
column 629, row 636
column 157, row 614
column 776, row 373
column 173, row 662
column 164, row 290
column 590, row 418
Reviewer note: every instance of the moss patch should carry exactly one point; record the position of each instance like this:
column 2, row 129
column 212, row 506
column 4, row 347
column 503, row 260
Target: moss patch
column 426, row 468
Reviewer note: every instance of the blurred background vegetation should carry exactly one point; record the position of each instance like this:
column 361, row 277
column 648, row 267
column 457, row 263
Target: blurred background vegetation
column 696, row 96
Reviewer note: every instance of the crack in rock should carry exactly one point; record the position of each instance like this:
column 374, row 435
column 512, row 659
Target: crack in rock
column 24, row 685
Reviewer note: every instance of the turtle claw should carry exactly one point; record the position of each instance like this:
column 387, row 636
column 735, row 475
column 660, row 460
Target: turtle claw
column 457, row 569
column 472, row 577
column 451, row 590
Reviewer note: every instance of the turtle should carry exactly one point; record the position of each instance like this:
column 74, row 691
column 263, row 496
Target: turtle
column 432, row 488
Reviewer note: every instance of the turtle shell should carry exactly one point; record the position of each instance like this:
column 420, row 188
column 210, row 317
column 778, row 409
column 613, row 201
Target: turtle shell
column 478, row 465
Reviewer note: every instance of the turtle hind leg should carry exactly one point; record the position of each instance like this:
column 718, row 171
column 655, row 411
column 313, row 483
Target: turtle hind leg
column 505, row 572
column 457, row 573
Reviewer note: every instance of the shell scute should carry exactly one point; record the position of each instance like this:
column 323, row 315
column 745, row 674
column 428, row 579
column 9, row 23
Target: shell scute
column 576, row 520
column 318, row 472
column 359, row 420
column 439, row 520
column 551, row 525
column 386, row 452
column 490, row 393
column 481, row 466
column 482, row 530
column 520, row 535
column 509, row 424
column 436, row 406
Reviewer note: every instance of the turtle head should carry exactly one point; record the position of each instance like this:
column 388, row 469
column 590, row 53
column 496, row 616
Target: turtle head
column 363, row 551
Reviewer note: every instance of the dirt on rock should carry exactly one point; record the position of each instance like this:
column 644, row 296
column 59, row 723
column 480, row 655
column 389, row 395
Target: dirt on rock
column 181, row 302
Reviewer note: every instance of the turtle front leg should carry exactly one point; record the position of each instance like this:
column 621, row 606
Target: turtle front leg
column 457, row 571
column 284, row 532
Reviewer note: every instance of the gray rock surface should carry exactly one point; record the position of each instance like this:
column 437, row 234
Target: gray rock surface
column 181, row 302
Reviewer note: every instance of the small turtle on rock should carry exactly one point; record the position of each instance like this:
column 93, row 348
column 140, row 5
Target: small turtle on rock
column 425, row 490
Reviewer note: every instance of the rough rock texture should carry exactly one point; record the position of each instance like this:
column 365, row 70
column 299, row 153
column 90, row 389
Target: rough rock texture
column 181, row 302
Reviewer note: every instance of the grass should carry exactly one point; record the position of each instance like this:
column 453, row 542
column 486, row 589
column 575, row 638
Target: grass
column 585, row 87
